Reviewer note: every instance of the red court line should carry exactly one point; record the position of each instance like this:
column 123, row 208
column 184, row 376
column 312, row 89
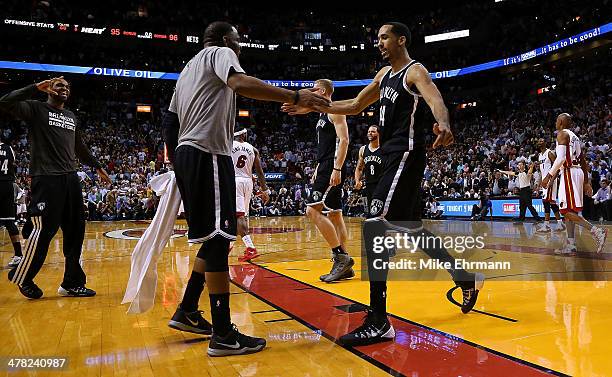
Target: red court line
column 416, row 351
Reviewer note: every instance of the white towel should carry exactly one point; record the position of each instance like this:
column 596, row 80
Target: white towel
column 140, row 291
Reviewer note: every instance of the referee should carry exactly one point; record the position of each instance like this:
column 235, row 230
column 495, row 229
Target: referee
column 525, row 193
column 57, row 201
column 200, row 120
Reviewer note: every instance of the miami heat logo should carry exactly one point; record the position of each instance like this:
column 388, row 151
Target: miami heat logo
column 136, row 234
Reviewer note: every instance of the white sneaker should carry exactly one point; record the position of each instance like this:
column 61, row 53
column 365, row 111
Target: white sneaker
column 544, row 228
column 600, row 235
column 14, row 262
column 567, row 250
column 560, row 227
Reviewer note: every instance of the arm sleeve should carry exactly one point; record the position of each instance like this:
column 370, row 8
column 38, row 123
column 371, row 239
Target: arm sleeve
column 15, row 102
column 83, row 153
column 170, row 130
column 560, row 150
column 224, row 62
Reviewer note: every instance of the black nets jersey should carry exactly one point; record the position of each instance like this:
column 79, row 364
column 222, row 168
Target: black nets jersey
column 327, row 140
column 7, row 163
column 404, row 115
column 372, row 165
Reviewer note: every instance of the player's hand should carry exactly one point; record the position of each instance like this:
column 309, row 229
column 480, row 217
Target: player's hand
column 47, row 85
column 588, row 189
column 546, row 181
column 265, row 197
column 310, row 99
column 445, row 136
column 335, row 178
column 358, row 185
column 104, row 176
column 294, row 109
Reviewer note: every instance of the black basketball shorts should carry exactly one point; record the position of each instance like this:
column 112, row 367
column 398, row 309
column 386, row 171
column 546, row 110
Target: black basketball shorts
column 322, row 192
column 397, row 196
column 7, row 201
column 208, row 189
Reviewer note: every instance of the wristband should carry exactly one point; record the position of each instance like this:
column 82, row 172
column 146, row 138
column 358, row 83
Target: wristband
column 296, row 97
column 337, row 169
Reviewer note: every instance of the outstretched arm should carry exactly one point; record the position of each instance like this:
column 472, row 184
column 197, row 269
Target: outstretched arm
column 251, row 87
column 365, row 98
column 507, row 172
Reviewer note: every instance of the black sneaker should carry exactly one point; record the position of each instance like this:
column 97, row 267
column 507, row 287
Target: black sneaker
column 340, row 269
column 190, row 322
column 11, row 273
column 347, row 275
column 470, row 291
column 370, row 332
column 76, row 292
column 234, row 343
column 31, row 290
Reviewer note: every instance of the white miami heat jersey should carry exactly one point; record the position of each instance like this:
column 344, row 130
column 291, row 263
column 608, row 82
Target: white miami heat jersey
column 544, row 162
column 243, row 155
column 573, row 153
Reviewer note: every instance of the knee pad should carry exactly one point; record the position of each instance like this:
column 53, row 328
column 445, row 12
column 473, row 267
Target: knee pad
column 215, row 252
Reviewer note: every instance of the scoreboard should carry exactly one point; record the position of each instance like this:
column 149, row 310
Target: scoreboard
column 112, row 31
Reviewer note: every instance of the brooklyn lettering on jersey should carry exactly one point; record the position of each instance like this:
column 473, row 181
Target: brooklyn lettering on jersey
column 389, row 93
column 372, row 159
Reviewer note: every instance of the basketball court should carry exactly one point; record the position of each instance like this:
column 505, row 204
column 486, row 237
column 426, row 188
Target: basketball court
column 531, row 321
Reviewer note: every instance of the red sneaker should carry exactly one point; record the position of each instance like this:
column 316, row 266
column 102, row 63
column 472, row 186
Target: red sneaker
column 249, row 253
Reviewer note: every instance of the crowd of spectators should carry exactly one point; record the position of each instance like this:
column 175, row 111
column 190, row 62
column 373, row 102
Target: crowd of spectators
column 496, row 134
column 518, row 25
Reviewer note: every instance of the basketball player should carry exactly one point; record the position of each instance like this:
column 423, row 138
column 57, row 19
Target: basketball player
column 574, row 182
column 326, row 193
column 245, row 157
column 7, row 200
column 200, row 121
column 405, row 91
column 370, row 161
column 549, row 195
column 55, row 143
